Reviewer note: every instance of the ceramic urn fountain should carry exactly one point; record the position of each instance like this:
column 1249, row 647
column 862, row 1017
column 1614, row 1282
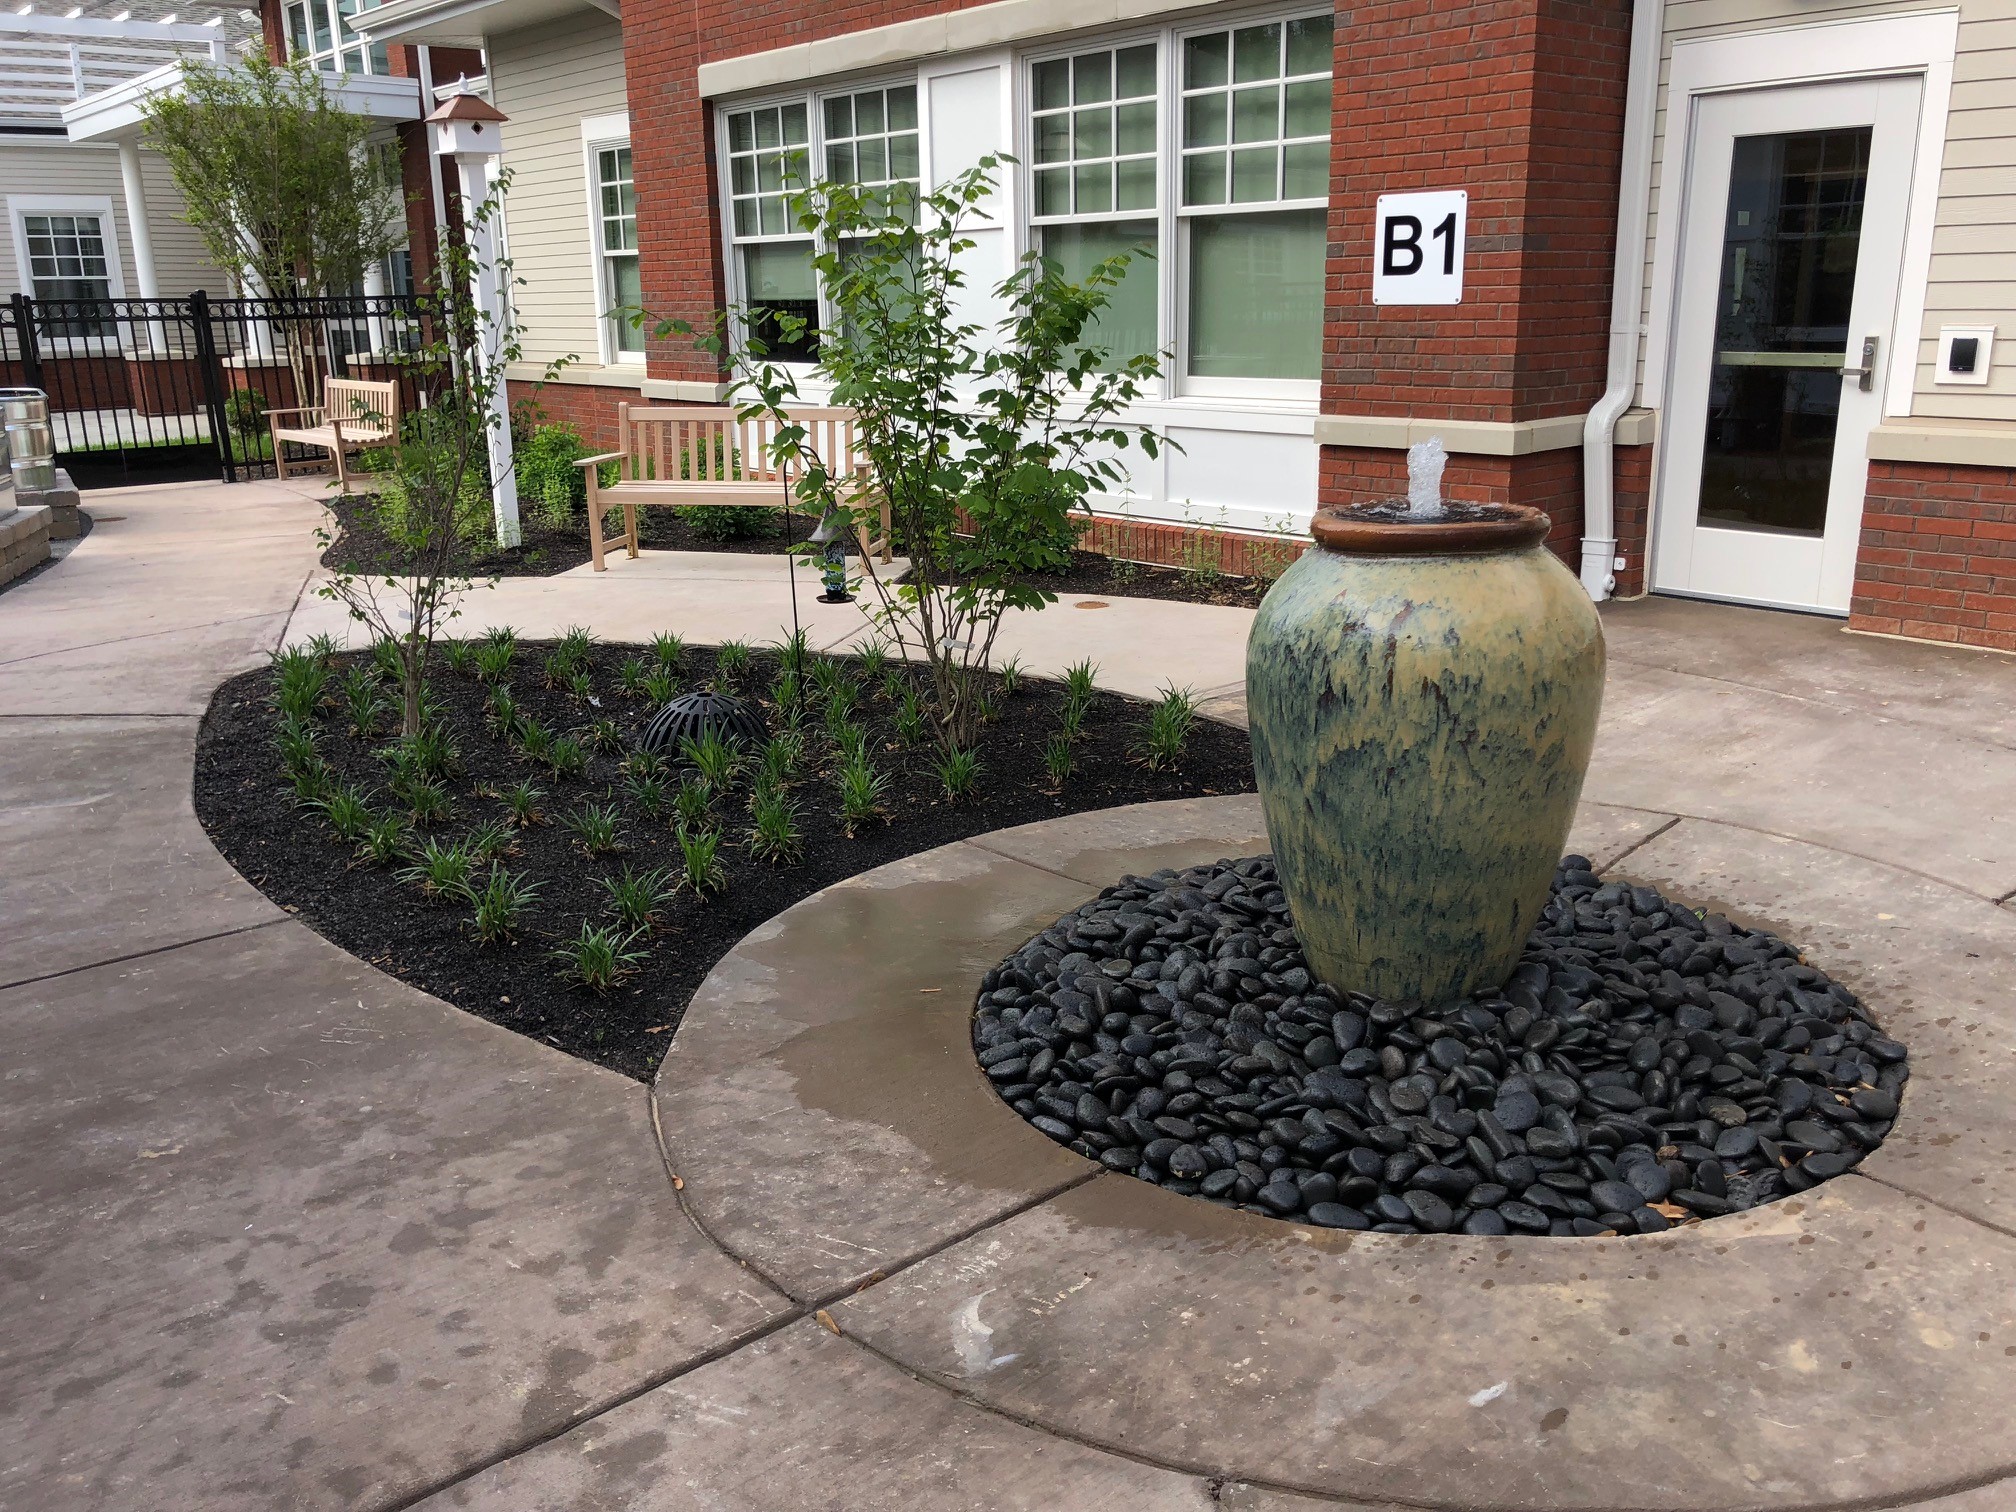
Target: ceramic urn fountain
column 1423, row 690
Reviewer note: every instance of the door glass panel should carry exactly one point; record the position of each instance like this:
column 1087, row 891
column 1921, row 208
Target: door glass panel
column 1789, row 246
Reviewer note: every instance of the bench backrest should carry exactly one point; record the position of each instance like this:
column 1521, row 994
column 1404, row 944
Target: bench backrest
column 667, row 443
column 366, row 408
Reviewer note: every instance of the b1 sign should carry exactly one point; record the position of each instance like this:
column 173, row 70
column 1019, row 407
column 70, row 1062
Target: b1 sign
column 1417, row 248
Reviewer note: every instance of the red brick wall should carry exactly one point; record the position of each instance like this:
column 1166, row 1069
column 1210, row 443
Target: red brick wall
column 590, row 408
column 1549, row 481
column 1520, row 102
column 1632, row 498
column 1938, row 555
column 1168, row 545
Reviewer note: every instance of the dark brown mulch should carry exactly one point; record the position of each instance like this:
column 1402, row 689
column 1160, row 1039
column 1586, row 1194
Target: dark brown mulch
column 360, row 546
column 293, row 857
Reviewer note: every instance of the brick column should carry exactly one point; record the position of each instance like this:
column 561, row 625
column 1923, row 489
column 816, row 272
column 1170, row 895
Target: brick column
column 1938, row 554
column 672, row 155
column 1520, row 102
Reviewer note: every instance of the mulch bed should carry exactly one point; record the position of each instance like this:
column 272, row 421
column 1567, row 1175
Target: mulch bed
column 360, row 546
column 1645, row 1066
column 294, row 857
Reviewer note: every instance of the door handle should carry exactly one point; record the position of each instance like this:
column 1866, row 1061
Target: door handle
column 1865, row 375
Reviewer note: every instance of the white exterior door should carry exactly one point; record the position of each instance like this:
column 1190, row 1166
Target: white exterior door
column 1785, row 308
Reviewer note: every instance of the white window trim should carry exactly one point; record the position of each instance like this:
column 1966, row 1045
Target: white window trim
column 1171, row 217
column 813, row 98
column 100, row 205
column 597, row 134
column 334, row 52
column 1214, row 402
column 1921, row 43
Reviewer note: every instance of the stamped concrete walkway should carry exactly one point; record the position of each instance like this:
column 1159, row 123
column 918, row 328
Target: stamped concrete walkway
column 277, row 1231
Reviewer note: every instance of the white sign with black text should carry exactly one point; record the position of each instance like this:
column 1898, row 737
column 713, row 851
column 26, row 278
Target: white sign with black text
column 1417, row 248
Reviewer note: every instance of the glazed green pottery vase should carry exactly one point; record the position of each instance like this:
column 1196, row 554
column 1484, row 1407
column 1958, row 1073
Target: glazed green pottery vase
column 1422, row 698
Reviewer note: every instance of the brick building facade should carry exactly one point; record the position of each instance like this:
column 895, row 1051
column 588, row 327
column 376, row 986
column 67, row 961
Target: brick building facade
column 1602, row 209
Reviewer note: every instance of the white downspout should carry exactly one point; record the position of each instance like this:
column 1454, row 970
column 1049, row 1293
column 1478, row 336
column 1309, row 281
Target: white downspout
column 1599, row 468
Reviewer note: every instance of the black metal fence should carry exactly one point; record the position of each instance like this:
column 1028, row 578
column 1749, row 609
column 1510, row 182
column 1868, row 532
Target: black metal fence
column 154, row 390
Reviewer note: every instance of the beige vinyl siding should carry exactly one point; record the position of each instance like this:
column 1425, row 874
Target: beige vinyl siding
column 1972, row 279
column 547, row 79
column 180, row 264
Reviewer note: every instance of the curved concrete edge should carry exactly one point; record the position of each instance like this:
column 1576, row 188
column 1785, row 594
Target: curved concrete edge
column 829, row 1125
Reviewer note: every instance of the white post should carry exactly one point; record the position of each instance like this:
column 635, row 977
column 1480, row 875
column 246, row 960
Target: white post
column 142, row 237
column 477, row 171
column 374, row 323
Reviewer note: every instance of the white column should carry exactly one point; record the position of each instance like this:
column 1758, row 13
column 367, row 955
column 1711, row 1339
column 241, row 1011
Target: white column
column 141, row 236
column 477, row 171
column 374, row 288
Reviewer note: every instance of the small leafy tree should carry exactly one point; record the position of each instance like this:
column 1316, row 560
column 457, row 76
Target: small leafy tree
column 983, row 437
column 441, row 458
column 281, row 182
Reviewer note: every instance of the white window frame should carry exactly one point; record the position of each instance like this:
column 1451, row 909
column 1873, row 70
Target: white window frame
column 598, row 135
column 1171, row 217
column 21, row 206
column 814, row 100
column 331, row 58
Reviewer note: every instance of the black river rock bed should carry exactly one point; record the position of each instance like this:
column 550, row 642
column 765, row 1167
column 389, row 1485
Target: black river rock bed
column 1644, row 1066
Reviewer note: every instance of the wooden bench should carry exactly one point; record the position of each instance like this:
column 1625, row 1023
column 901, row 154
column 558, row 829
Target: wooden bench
column 353, row 414
column 684, row 455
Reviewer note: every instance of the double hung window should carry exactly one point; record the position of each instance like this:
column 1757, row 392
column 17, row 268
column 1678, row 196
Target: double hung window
column 69, row 260
column 868, row 137
column 1205, row 154
column 320, row 32
column 1095, row 178
column 1255, row 187
column 616, row 247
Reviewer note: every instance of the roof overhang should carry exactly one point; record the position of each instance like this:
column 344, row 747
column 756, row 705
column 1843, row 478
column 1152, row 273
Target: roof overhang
column 117, row 113
column 467, row 23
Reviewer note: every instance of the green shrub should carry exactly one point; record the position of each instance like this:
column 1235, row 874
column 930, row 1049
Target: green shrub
column 550, row 486
column 245, row 413
column 730, row 522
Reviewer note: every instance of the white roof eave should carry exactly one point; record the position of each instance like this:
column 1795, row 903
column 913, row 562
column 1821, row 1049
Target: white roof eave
column 465, row 23
column 115, row 114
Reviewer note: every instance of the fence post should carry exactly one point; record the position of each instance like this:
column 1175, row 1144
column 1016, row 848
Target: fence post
column 24, row 329
column 213, row 382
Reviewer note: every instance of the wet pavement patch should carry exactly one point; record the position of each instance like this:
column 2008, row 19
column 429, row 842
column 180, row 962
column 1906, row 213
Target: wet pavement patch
column 1645, row 1066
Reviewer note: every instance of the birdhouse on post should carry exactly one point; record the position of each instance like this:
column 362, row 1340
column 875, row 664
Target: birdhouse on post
column 466, row 128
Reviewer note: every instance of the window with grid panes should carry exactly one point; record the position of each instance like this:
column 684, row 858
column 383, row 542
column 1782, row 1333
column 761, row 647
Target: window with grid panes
column 1254, row 186
column 319, row 32
column 871, row 139
column 68, row 260
column 616, row 210
column 769, row 156
column 1095, row 132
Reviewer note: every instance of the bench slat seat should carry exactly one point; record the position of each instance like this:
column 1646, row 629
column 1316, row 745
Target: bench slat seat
column 354, row 413
column 683, row 455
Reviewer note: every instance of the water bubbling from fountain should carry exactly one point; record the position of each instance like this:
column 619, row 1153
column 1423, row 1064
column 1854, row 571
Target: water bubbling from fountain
column 1425, row 461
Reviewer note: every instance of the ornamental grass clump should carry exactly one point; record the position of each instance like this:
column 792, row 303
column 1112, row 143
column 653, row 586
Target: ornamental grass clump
column 1060, row 757
column 365, row 707
column 660, row 686
column 598, row 957
column 442, row 869
column 301, row 678
column 597, row 828
column 862, row 788
column 492, row 840
column 1169, row 724
column 385, row 841
column 521, row 802
column 668, row 650
column 493, row 660
column 692, row 802
column 635, row 897
column 774, row 835
column 958, row 773
column 982, row 438
column 731, row 660
column 701, row 868
column 717, row 760
column 347, row 810
column 500, row 905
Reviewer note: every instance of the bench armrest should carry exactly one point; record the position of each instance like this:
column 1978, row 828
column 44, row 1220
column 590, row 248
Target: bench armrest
column 604, row 457
column 299, row 409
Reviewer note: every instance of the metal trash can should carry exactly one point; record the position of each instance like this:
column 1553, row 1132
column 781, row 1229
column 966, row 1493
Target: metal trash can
column 31, row 442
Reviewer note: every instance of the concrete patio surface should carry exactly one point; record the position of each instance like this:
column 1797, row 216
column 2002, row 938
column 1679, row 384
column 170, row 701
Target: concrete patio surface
column 281, row 1231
